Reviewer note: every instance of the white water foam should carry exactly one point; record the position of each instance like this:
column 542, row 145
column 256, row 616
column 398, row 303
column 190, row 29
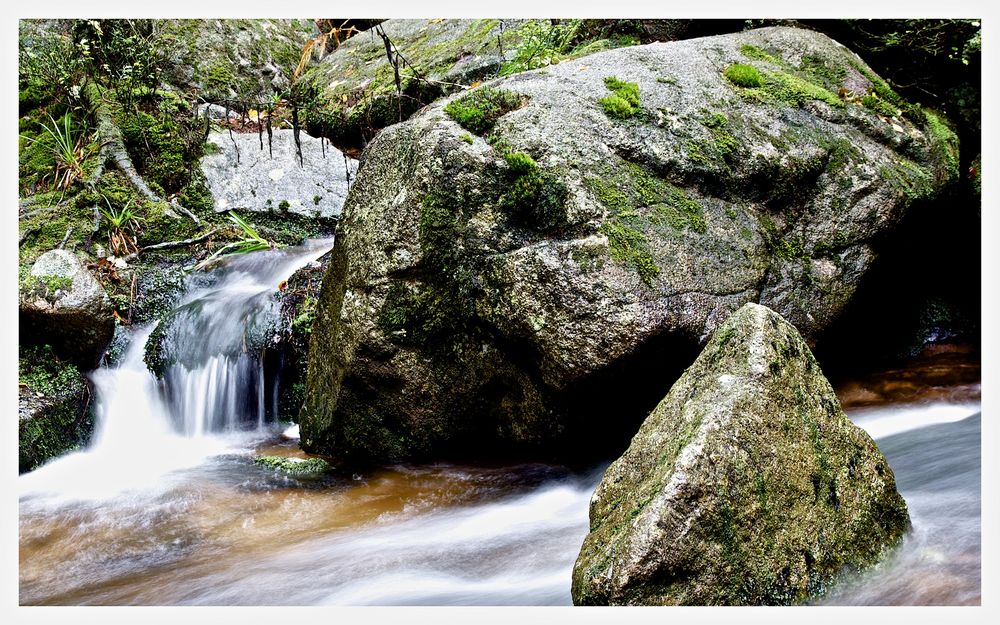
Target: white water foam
column 883, row 421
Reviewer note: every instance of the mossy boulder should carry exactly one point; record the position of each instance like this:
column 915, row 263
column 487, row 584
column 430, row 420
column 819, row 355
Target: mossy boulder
column 351, row 93
column 747, row 484
column 481, row 292
column 63, row 305
column 52, row 407
column 354, row 87
column 235, row 59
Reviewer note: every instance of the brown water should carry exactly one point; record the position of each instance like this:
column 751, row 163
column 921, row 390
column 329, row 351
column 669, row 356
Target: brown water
column 221, row 530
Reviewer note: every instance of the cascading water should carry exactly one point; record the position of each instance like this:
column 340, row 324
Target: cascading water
column 213, row 382
column 213, row 342
column 166, row 508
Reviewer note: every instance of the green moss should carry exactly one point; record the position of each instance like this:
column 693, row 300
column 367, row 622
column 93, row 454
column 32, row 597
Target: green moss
column 722, row 147
column 157, row 226
column 50, row 286
column 909, row 179
column 466, row 137
column 616, row 107
column 680, row 212
column 624, row 99
column 479, row 110
column 628, row 245
column 520, row 163
column 589, row 258
column 823, row 70
column 743, row 75
column 796, row 91
column 880, row 106
column 437, row 311
column 195, row 196
column 532, row 197
column 294, row 466
column 307, row 314
column 628, row 91
column 755, row 53
column 945, row 141
column 162, row 147
column 499, row 143
column 636, row 201
column 715, row 120
column 218, row 78
column 56, row 390
column 317, row 199
column 785, row 248
column 840, row 153
column 283, row 205
column 791, row 248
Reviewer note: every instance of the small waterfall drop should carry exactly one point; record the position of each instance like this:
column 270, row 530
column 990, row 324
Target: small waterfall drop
column 213, row 391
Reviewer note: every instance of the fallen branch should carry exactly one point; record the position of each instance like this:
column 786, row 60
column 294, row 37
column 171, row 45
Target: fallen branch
column 175, row 244
column 37, row 211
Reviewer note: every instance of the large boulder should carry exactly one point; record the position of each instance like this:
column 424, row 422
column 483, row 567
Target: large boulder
column 604, row 214
column 273, row 174
column 63, row 305
column 746, row 485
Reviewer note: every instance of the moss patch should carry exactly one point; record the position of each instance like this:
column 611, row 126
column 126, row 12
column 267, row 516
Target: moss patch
column 54, row 393
column 479, row 110
column 755, row 53
column 945, row 141
column 624, row 99
column 533, row 197
column 743, row 75
column 294, row 466
column 438, row 310
column 637, row 202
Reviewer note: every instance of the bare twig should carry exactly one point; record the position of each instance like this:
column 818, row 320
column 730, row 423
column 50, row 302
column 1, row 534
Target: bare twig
column 186, row 212
column 62, row 243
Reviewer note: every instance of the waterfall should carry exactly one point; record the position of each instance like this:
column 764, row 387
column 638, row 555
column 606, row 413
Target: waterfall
column 213, row 388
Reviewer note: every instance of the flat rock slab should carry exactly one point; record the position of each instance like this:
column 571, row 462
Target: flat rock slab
column 241, row 175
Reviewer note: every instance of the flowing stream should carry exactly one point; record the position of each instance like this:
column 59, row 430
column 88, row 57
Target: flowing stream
column 166, row 506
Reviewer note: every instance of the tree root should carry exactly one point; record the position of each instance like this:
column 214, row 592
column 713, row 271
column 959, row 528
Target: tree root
column 113, row 151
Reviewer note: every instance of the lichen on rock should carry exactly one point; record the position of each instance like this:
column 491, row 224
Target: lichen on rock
column 747, row 484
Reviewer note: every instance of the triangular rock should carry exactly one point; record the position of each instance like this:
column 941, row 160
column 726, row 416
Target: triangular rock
column 746, row 485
